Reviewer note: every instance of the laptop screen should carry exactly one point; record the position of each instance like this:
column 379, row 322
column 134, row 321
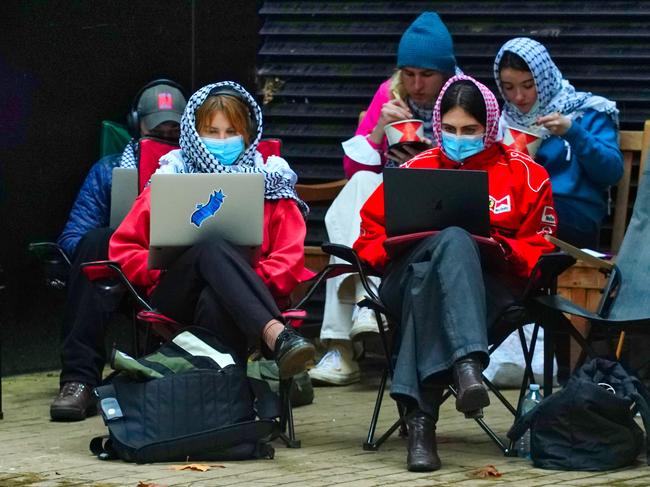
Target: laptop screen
column 420, row 200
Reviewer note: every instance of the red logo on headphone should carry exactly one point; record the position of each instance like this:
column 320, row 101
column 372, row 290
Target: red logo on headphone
column 165, row 101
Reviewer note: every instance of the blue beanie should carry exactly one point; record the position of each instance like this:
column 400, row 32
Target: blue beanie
column 427, row 44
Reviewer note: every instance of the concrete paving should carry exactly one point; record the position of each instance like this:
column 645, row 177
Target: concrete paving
column 37, row 452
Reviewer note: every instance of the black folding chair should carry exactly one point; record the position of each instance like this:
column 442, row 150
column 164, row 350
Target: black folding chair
column 152, row 328
column 542, row 281
column 624, row 307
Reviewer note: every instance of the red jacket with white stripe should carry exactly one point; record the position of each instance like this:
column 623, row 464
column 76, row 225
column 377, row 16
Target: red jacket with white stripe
column 521, row 206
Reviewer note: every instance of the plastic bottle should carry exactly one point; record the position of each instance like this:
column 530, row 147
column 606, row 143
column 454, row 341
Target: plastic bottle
column 532, row 399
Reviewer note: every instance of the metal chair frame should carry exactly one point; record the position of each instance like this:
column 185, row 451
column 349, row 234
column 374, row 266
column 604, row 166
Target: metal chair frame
column 543, row 279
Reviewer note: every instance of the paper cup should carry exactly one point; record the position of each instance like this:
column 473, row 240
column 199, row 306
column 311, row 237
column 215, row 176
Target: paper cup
column 522, row 140
column 405, row 131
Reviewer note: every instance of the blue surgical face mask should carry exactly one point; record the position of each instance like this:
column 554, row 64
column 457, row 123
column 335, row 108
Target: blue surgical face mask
column 460, row 147
column 226, row 151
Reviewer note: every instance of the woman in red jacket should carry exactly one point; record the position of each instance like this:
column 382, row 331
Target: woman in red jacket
column 445, row 299
column 211, row 284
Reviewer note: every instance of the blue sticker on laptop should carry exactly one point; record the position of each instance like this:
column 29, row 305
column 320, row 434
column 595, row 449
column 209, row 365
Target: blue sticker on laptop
column 203, row 212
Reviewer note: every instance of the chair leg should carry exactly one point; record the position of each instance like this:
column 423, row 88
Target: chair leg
column 371, row 444
column 287, row 431
column 493, row 436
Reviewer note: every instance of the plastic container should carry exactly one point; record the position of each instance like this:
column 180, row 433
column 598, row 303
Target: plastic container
column 532, row 399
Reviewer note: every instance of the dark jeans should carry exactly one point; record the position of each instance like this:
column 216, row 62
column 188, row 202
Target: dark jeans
column 84, row 318
column 211, row 285
column 445, row 302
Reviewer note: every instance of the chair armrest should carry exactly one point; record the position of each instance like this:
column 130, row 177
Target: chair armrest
column 109, row 280
column 348, row 254
column 546, row 271
column 602, row 265
column 56, row 264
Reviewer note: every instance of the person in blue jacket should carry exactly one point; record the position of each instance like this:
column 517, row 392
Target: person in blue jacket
column 156, row 112
column 580, row 135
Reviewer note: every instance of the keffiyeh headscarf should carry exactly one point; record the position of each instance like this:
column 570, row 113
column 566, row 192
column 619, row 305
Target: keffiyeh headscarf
column 554, row 93
column 278, row 180
column 491, row 111
column 129, row 157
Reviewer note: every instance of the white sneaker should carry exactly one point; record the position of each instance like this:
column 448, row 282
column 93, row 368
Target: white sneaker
column 337, row 367
column 363, row 323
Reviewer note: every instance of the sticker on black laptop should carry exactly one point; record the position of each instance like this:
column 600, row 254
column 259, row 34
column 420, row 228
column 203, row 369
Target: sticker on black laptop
column 203, row 212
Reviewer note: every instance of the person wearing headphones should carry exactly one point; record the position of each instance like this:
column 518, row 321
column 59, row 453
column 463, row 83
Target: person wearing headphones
column 155, row 112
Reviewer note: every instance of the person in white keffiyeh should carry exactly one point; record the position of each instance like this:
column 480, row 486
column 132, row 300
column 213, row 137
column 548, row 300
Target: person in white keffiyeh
column 579, row 150
column 195, row 156
column 579, row 131
column 213, row 284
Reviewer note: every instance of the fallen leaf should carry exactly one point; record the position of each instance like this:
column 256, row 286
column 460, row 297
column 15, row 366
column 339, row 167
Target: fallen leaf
column 485, row 472
column 149, row 484
column 195, row 466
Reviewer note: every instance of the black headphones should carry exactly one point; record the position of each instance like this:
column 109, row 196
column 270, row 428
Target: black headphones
column 133, row 117
column 229, row 91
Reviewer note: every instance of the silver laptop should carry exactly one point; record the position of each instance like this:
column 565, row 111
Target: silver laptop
column 189, row 208
column 124, row 190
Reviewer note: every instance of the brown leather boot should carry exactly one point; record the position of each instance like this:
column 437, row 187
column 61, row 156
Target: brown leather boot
column 75, row 402
column 422, row 449
column 472, row 396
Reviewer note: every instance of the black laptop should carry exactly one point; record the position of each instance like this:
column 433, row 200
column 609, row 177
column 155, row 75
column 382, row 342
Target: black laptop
column 421, row 200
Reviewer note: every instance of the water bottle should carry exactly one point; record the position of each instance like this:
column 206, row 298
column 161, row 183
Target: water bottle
column 532, row 399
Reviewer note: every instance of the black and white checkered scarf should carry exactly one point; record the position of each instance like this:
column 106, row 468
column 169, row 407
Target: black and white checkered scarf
column 199, row 159
column 129, row 155
column 554, row 93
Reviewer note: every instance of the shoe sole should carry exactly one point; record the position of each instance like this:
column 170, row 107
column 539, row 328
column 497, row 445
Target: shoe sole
column 295, row 361
column 473, row 400
column 72, row 414
column 429, row 467
column 332, row 380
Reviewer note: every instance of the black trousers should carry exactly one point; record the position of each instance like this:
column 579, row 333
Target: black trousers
column 446, row 303
column 211, row 285
column 85, row 317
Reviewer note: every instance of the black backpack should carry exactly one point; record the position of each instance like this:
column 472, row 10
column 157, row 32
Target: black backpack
column 191, row 400
column 589, row 425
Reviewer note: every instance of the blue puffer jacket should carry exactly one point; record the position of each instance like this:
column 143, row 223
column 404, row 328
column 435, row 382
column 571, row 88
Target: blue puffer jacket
column 582, row 165
column 91, row 209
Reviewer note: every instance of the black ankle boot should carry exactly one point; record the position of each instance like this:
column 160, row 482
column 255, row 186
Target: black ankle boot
column 422, row 448
column 472, row 395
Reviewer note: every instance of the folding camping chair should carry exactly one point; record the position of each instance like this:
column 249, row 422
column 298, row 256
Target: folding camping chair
column 112, row 285
column 624, row 307
column 542, row 281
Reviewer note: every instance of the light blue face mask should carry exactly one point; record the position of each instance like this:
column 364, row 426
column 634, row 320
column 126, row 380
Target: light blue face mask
column 226, row 151
column 460, row 147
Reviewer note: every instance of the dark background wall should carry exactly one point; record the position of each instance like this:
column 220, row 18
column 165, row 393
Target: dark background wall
column 65, row 66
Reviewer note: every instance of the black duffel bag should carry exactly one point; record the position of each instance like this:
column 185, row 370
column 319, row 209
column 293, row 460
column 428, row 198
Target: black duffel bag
column 191, row 400
column 589, row 425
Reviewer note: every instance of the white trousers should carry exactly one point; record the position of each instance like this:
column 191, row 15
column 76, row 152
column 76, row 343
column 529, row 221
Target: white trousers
column 342, row 222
